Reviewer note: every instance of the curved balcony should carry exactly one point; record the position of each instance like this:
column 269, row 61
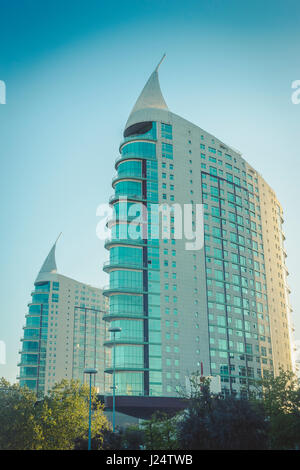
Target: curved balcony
column 136, row 137
column 129, row 197
column 30, row 339
column 125, row 220
column 124, row 316
column 122, row 158
column 126, row 177
column 27, row 377
column 110, row 370
column 27, row 363
column 31, row 327
column 33, row 315
column 35, row 351
column 107, row 290
column 39, row 292
column 123, row 241
column 109, row 266
column 121, row 342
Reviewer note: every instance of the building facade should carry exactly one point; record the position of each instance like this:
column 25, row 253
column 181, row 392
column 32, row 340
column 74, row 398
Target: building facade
column 64, row 331
column 223, row 308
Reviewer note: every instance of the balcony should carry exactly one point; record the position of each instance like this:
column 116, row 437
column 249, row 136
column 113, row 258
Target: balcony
column 122, row 158
column 121, row 341
column 123, row 241
column 136, row 137
column 109, row 265
column 126, row 220
column 27, row 363
column 123, row 316
column 107, row 290
column 129, row 197
column 128, row 176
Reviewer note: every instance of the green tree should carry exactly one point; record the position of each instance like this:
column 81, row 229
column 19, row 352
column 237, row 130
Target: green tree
column 280, row 398
column 213, row 422
column 133, row 437
column 19, row 428
column 53, row 423
column 129, row 438
column 160, row 432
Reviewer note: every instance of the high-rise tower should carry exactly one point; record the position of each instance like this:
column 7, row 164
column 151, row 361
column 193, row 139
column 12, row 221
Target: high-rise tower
column 223, row 308
column 64, row 331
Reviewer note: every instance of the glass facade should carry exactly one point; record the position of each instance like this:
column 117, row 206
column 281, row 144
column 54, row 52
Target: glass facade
column 134, row 289
column 239, row 330
column 88, row 344
column 34, row 342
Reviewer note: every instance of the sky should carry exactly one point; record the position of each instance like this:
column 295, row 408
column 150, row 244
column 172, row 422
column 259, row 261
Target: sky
column 73, row 70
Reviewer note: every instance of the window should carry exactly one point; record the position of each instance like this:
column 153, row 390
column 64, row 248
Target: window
column 167, row 150
column 166, row 131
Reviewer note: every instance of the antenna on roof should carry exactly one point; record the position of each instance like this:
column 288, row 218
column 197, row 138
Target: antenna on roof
column 160, row 62
column 58, row 237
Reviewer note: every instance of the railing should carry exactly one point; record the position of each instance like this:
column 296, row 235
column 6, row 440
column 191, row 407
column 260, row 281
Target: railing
column 132, row 138
column 136, row 157
column 126, row 175
column 114, row 197
column 126, row 241
column 128, row 263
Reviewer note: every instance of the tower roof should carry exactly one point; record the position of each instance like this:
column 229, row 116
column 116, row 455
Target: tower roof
column 49, row 265
column 151, row 95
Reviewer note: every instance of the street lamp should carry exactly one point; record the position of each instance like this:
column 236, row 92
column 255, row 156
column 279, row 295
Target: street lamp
column 114, row 330
column 90, row 372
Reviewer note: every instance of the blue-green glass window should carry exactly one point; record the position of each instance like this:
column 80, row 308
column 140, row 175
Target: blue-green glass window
column 166, row 131
column 131, row 330
column 127, row 210
column 28, row 371
column 40, row 298
column 151, row 167
column 126, row 279
column 125, row 231
column 151, row 134
column 29, row 359
column 35, row 309
column 33, row 321
column 167, row 150
column 42, row 287
column 130, row 168
column 130, row 188
column 129, row 356
column 139, row 149
column 30, row 346
column 126, row 255
column 155, row 362
column 126, row 304
column 155, row 336
column 129, row 383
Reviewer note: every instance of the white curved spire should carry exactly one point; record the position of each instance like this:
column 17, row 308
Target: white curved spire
column 151, row 95
column 49, row 265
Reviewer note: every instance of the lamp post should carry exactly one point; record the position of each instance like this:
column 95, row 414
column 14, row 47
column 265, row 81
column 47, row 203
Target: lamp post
column 114, row 330
column 90, row 372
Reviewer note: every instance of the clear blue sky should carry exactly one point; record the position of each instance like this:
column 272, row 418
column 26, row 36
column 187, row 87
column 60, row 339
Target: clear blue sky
column 73, row 70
